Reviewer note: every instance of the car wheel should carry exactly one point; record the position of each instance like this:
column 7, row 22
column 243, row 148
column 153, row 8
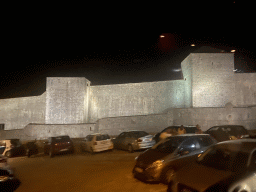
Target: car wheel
column 169, row 175
column 130, row 149
column 8, row 154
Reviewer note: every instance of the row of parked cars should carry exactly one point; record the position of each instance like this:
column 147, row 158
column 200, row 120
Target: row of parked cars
column 181, row 161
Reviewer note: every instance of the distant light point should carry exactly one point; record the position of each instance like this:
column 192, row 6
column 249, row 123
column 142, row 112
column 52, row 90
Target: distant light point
column 233, row 51
column 192, row 45
column 162, row 36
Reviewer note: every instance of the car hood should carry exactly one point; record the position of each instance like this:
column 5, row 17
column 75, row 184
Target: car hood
column 151, row 155
column 200, row 177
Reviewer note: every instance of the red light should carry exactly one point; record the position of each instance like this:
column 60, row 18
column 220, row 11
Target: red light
column 95, row 143
column 3, row 160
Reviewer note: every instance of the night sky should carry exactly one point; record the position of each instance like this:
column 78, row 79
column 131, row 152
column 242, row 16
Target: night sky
column 108, row 58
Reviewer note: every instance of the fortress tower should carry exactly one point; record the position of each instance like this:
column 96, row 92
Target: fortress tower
column 67, row 100
column 209, row 79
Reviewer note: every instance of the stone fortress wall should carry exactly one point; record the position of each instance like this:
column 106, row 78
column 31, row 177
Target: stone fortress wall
column 210, row 94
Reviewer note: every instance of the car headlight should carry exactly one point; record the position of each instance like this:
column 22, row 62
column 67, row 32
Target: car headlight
column 4, row 178
column 157, row 164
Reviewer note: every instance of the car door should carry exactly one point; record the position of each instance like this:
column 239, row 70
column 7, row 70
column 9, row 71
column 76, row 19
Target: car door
column 128, row 139
column 88, row 142
column 119, row 140
column 189, row 147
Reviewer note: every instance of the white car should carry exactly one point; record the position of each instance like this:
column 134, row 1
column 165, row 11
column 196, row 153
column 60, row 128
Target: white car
column 97, row 142
column 4, row 165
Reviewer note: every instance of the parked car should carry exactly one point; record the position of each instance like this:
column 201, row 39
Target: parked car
column 32, row 148
column 97, row 142
column 227, row 132
column 133, row 140
column 8, row 182
column 189, row 129
column 225, row 166
column 169, row 155
column 58, row 144
column 12, row 147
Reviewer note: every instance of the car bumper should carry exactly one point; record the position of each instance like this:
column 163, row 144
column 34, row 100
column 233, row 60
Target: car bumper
column 105, row 148
column 146, row 174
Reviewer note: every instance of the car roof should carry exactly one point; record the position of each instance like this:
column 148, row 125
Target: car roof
column 245, row 145
column 228, row 126
column 98, row 134
column 133, row 131
column 190, row 135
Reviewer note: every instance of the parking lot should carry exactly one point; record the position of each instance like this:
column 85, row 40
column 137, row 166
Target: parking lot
column 105, row 171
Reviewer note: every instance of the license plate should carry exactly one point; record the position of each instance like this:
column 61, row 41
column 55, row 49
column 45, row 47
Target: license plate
column 139, row 170
column 63, row 150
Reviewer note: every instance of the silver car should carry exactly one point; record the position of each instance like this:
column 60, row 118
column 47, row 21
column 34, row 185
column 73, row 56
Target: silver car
column 133, row 140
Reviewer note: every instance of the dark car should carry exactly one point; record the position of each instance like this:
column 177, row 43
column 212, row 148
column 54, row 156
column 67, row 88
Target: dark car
column 32, row 148
column 8, row 182
column 58, row 144
column 189, row 129
column 12, row 147
column 227, row 132
column 226, row 166
column 169, row 155
column 133, row 140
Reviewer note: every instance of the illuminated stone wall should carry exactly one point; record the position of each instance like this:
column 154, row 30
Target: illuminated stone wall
column 16, row 113
column 245, row 89
column 66, row 100
column 186, row 66
column 135, row 99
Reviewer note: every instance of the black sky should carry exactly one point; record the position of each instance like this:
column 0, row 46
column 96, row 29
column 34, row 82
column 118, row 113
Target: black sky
column 107, row 57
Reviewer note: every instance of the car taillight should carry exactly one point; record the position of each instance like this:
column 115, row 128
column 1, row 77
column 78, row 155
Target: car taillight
column 139, row 140
column 3, row 160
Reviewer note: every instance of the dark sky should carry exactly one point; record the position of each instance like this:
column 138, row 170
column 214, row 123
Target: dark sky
column 107, row 57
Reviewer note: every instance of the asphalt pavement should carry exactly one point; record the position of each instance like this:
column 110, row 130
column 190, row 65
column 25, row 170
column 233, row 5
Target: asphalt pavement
column 102, row 172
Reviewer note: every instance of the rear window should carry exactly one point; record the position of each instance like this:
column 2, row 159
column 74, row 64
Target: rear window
column 205, row 141
column 170, row 145
column 15, row 142
column 89, row 137
column 2, row 144
column 61, row 138
column 102, row 137
column 138, row 134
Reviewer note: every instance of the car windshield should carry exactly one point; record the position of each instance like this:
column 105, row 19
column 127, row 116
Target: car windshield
column 224, row 159
column 102, row 137
column 138, row 134
column 170, row 145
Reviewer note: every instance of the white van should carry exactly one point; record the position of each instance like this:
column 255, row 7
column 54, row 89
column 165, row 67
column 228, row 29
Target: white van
column 97, row 142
